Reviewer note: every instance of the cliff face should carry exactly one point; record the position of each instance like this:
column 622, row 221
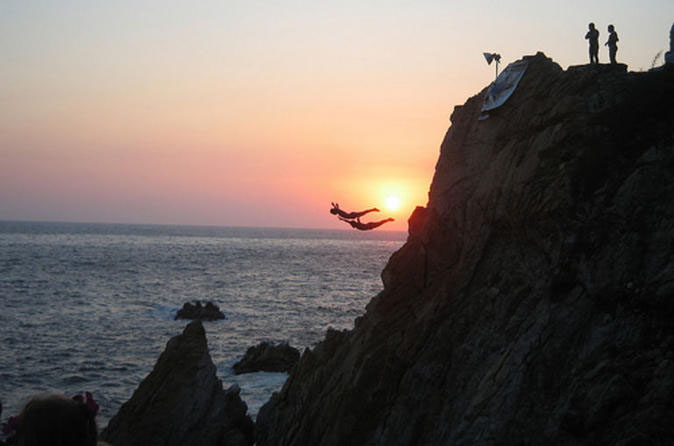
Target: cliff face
column 181, row 402
column 533, row 302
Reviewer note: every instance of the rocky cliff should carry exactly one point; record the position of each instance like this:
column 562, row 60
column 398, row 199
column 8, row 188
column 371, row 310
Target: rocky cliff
column 181, row 402
column 533, row 302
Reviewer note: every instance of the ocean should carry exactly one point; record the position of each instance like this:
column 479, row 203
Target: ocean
column 90, row 307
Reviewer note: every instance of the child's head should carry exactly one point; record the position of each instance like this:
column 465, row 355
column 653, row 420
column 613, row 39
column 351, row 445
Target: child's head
column 55, row 420
column 610, row 28
column 591, row 25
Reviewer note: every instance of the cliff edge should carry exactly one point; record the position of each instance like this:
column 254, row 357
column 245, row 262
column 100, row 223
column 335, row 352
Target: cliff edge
column 533, row 300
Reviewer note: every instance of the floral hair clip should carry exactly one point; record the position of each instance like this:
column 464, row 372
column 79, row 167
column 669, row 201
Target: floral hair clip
column 89, row 402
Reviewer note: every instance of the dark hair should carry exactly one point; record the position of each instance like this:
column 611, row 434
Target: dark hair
column 55, row 420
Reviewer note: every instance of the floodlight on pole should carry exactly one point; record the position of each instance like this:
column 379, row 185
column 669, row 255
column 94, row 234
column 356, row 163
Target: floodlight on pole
column 492, row 56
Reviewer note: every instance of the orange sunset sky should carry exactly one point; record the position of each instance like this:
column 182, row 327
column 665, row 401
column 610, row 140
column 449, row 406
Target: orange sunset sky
column 260, row 113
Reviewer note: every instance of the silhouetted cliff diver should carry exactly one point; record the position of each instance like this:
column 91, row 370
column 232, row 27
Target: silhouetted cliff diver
column 365, row 226
column 337, row 211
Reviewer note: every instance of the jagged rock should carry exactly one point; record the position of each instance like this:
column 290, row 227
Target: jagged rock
column 207, row 312
column 267, row 357
column 181, row 402
column 533, row 300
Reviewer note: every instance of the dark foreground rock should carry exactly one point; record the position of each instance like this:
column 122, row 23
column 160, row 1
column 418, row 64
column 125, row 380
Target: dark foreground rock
column 268, row 357
column 207, row 312
column 533, row 301
column 181, row 402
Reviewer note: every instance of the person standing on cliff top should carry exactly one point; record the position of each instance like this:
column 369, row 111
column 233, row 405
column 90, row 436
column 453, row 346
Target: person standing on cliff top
column 612, row 43
column 593, row 37
column 669, row 55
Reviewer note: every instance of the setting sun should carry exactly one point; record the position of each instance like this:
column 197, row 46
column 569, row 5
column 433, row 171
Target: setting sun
column 393, row 203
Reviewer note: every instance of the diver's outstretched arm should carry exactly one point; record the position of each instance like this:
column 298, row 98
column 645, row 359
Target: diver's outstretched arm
column 352, row 223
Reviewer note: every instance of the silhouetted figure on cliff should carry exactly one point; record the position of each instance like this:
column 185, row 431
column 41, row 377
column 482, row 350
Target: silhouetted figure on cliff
column 593, row 37
column 669, row 55
column 365, row 226
column 337, row 211
column 612, row 43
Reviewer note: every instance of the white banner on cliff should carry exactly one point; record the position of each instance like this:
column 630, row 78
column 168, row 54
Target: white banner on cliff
column 504, row 85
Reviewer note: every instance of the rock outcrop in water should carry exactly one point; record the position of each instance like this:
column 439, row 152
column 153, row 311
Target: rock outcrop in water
column 533, row 300
column 181, row 402
column 207, row 312
column 268, row 357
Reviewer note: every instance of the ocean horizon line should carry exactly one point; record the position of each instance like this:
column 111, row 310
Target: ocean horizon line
column 202, row 229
